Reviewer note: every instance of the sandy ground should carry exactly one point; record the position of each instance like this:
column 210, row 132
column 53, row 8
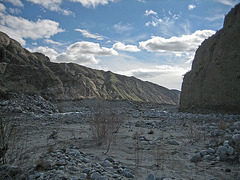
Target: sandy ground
column 160, row 159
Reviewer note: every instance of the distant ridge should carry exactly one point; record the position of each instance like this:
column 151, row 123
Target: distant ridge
column 25, row 72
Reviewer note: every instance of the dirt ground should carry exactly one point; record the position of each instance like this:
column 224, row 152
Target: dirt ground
column 153, row 154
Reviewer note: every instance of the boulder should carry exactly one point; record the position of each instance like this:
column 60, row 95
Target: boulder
column 196, row 158
column 222, row 153
column 150, row 177
column 236, row 139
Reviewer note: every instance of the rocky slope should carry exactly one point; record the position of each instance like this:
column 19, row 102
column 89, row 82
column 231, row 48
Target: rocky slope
column 25, row 72
column 213, row 84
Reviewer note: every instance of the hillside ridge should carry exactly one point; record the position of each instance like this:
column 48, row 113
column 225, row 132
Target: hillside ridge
column 25, row 72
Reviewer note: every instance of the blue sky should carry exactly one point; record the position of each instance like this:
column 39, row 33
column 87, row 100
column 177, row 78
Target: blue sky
column 153, row 40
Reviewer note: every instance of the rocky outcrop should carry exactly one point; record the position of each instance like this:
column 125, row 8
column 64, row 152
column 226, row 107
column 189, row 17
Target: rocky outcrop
column 213, row 84
column 24, row 72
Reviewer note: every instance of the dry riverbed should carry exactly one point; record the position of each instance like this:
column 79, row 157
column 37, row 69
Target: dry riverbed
column 153, row 142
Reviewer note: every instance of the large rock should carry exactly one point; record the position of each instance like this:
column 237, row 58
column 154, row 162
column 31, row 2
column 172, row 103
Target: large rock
column 213, row 84
column 25, row 72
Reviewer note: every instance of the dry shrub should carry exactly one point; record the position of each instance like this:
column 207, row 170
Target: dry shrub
column 50, row 149
column 135, row 135
column 105, row 124
column 137, row 150
column 6, row 130
column 159, row 156
column 193, row 134
column 13, row 145
column 222, row 125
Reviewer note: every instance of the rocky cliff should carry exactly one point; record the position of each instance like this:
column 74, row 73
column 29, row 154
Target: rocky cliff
column 25, row 72
column 213, row 84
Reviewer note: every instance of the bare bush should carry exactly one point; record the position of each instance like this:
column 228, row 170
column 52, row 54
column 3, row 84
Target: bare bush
column 105, row 124
column 222, row 125
column 6, row 129
column 137, row 150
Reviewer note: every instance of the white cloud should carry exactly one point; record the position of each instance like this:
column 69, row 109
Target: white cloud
column 120, row 28
column 150, row 12
column 185, row 43
column 15, row 10
column 166, row 24
column 87, row 34
column 51, row 53
column 52, row 5
column 16, row 2
column 82, row 59
column 85, row 47
column 157, row 71
column 49, row 41
column 93, row 3
column 122, row 47
column 2, row 8
column 154, row 23
column 227, row 2
column 215, row 17
column 85, row 53
column 136, row 38
column 191, row 7
column 143, row 1
column 164, row 75
column 20, row 28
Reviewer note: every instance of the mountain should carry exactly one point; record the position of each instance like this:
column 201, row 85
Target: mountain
column 25, row 72
column 213, row 84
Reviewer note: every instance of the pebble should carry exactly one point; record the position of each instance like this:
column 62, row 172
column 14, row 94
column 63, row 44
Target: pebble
column 173, row 143
column 63, row 164
column 70, row 169
column 204, row 152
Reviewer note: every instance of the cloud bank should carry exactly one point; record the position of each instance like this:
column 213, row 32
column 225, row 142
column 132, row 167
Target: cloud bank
column 42, row 28
column 85, row 53
column 87, row 34
column 16, row 2
column 51, row 53
column 185, row 43
column 52, row 5
column 93, row 3
column 122, row 47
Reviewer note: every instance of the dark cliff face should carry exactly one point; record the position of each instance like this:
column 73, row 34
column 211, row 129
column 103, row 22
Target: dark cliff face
column 213, row 84
column 25, row 72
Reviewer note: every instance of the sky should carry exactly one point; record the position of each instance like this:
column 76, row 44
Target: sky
column 153, row 40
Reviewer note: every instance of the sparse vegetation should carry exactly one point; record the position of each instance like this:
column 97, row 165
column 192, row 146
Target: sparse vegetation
column 6, row 130
column 222, row 125
column 137, row 149
column 105, row 124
